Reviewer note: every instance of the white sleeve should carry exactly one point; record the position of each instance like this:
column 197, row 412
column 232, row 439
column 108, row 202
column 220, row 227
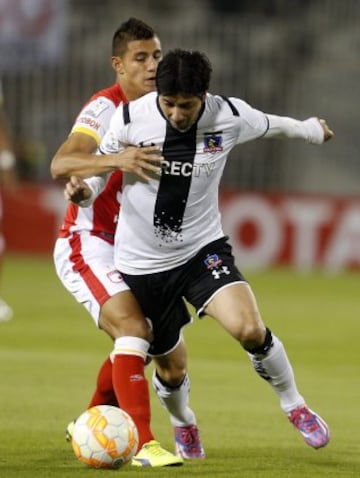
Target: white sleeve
column 97, row 185
column 283, row 127
column 111, row 143
column 252, row 123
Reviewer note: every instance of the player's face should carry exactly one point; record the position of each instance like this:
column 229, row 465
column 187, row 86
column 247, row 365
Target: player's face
column 182, row 110
column 136, row 69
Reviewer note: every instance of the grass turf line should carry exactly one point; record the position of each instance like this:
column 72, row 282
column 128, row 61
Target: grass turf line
column 50, row 353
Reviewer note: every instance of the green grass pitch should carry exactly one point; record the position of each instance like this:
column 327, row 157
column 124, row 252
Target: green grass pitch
column 51, row 350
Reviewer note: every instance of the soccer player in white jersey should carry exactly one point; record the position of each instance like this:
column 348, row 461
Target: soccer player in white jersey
column 7, row 180
column 84, row 258
column 169, row 242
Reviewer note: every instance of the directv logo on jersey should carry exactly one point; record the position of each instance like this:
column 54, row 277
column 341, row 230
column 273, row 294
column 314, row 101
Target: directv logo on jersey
column 178, row 168
column 213, row 142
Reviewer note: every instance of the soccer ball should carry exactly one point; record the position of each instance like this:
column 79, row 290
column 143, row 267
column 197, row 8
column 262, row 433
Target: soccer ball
column 105, row 437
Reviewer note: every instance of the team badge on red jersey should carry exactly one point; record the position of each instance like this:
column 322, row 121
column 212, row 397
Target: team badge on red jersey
column 115, row 276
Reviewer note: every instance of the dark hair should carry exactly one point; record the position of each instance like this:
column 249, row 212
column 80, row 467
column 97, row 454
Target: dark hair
column 132, row 29
column 183, row 71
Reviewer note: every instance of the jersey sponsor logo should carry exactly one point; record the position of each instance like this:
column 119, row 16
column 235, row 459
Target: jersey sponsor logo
column 96, row 108
column 213, row 142
column 178, row 168
column 90, row 122
column 181, row 168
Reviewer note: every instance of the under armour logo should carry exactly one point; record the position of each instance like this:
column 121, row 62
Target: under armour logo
column 260, row 369
column 220, row 270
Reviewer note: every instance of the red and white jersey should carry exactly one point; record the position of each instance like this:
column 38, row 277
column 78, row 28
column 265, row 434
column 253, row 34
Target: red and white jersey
column 99, row 219
column 167, row 220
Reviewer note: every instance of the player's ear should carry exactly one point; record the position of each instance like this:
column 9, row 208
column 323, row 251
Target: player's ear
column 117, row 64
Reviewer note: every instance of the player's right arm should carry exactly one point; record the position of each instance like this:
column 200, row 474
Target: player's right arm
column 76, row 157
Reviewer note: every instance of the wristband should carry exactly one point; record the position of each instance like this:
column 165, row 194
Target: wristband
column 314, row 131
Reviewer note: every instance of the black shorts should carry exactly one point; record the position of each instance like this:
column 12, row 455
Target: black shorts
column 162, row 295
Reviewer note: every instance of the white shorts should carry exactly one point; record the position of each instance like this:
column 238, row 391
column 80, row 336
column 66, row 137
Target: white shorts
column 85, row 266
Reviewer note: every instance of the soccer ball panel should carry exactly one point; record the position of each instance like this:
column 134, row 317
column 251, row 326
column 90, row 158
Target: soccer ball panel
column 105, row 437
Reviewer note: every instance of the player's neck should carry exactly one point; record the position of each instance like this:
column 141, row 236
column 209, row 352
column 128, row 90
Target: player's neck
column 131, row 92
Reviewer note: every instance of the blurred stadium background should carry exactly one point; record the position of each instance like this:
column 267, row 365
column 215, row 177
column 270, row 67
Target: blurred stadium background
column 296, row 58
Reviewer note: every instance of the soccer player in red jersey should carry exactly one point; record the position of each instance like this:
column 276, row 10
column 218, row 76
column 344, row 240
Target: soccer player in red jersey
column 84, row 257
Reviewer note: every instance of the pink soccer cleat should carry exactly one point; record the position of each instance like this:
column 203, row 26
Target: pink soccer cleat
column 315, row 431
column 187, row 443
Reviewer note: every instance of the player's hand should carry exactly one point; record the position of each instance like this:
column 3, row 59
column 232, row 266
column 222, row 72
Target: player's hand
column 328, row 133
column 76, row 190
column 140, row 161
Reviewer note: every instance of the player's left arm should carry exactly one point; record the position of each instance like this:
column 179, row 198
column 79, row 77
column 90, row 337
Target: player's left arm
column 255, row 124
column 313, row 130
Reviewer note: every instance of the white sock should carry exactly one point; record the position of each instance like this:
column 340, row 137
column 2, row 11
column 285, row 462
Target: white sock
column 275, row 367
column 176, row 401
column 129, row 345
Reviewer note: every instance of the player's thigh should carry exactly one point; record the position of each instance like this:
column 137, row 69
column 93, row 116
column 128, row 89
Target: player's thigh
column 84, row 264
column 236, row 309
column 121, row 315
column 164, row 306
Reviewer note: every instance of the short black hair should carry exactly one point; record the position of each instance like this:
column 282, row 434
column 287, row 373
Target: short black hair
column 132, row 29
column 183, row 71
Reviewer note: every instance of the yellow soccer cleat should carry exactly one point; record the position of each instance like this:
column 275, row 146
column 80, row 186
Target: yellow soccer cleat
column 152, row 454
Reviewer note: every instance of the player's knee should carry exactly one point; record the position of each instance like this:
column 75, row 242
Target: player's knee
column 173, row 378
column 173, row 374
column 251, row 334
column 118, row 324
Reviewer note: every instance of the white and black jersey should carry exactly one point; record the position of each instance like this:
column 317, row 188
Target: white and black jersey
column 166, row 221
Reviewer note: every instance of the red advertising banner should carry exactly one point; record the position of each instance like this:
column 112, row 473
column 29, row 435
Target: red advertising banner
column 304, row 231
column 31, row 218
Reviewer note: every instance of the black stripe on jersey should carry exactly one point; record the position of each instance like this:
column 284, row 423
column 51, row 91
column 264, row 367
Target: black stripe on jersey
column 179, row 153
column 126, row 114
column 232, row 107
